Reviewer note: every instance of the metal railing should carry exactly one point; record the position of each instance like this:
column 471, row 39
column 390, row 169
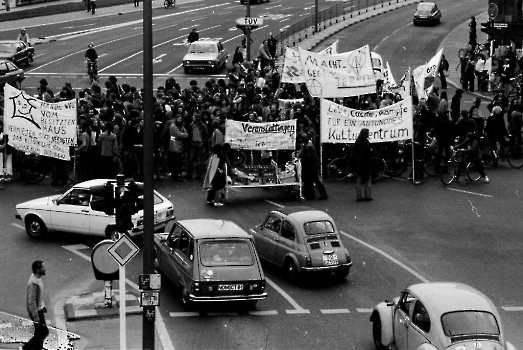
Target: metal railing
column 303, row 29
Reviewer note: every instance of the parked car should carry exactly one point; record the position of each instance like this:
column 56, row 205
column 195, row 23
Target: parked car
column 16, row 51
column 302, row 240
column 205, row 54
column 210, row 261
column 10, row 74
column 440, row 315
column 243, row 2
column 427, row 12
column 73, row 212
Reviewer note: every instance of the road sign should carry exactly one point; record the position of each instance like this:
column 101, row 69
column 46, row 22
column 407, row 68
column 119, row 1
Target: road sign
column 149, row 281
column 150, row 298
column 123, row 250
column 250, row 21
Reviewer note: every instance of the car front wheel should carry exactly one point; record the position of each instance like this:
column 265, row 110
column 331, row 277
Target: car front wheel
column 376, row 333
column 112, row 233
column 35, row 227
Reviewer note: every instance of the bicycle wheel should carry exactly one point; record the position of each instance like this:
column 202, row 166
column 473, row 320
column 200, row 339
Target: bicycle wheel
column 515, row 156
column 447, row 173
column 486, row 88
column 472, row 172
column 396, row 166
column 378, row 167
column 32, row 169
column 337, row 169
column 432, row 164
column 166, row 4
column 238, row 157
column 487, row 155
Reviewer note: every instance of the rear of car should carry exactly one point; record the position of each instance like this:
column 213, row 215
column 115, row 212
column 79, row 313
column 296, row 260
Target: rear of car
column 427, row 12
column 228, row 270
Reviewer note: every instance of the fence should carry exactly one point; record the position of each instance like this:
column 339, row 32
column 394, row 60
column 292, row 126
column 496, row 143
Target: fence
column 301, row 30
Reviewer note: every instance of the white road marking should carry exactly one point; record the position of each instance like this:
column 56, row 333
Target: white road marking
column 468, row 192
column 298, row 308
column 263, row 313
column 335, row 311
column 512, row 308
column 184, row 314
column 275, row 204
column 362, row 310
column 159, row 324
column 302, row 311
column 18, row 226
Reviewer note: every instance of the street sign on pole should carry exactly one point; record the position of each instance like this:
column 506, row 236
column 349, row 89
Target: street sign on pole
column 250, row 21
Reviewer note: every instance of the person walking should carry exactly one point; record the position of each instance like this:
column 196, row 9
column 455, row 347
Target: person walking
column 108, row 152
column 310, row 166
column 6, row 155
column 36, row 307
column 263, row 55
column 136, row 3
column 193, row 36
column 472, row 35
column 455, row 105
column 178, row 136
column 216, row 177
column 443, row 71
column 361, row 159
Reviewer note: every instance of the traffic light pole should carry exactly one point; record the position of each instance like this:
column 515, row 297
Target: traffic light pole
column 248, row 31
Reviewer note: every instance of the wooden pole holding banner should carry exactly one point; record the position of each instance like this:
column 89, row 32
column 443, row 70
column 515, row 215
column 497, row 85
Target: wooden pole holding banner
column 123, row 336
column 412, row 140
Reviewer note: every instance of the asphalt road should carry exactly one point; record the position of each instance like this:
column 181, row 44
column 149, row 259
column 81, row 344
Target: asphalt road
column 464, row 232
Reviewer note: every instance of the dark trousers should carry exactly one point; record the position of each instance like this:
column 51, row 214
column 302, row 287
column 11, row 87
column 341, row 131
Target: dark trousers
column 41, row 331
column 311, row 178
column 106, row 168
column 195, row 160
column 175, row 160
column 363, row 187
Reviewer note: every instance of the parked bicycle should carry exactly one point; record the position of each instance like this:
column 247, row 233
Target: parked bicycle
column 453, row 169
column 513, row 153
column 341, row 168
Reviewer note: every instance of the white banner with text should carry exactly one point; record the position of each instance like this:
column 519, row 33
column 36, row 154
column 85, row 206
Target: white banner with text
column 261, row 136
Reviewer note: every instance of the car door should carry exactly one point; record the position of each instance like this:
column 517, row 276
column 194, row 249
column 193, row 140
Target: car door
column 419, row 327
column 268, row 237
column 167, row 259
column 71, row 212
column 286, row 243
column 222, row 56
column 183, row 257
column 402, row 319
column 19, row 53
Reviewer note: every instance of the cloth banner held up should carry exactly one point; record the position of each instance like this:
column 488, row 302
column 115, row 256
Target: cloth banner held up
column 428, row 70
column 342, row 75
column 39, row 127
column 340, row 124
column 292, row 69
column 261, row 136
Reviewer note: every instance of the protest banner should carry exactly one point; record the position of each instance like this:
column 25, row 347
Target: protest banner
column 292, row 70
column 39, row 127
column 341, row 124
column 342, row 75
column 424, row 75
column 261, row 136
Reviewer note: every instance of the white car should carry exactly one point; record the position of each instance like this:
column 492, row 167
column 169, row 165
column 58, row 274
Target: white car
column 73, row 212
column 205, row 54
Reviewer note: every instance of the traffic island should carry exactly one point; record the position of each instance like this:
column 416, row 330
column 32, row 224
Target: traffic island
column 93, row 305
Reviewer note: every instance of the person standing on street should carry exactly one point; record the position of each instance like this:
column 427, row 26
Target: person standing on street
column 271, row 45
column 361, row 160
column 263, row 55
column 193, row 36
column 136, row 3
column 36, row 307
column 472, row 35
column 443, row 69
column 310, row 166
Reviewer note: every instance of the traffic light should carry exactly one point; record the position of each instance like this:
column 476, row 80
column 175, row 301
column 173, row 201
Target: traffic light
column 487, row 28
column 136, row 195
column 103, row 198
column 125, row 209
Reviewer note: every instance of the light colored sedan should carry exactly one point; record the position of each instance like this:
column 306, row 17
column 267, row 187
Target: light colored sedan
column 73, row 212
column 302, row 240
column 205, row 54
column 10, row 74
column 438, row 316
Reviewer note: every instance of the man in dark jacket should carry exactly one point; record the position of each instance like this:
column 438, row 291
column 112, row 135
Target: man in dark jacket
column 455, row 105
column 193, row 36
column 496, row 130
column 310, row 166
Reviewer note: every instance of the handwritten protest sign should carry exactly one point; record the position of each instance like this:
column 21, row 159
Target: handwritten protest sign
column 261, row 136
column 39, row 127
column 341, row 124
column 342, row 75
column 292, row 69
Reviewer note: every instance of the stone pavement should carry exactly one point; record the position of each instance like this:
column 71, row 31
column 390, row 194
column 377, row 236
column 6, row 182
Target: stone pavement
column 82, row 314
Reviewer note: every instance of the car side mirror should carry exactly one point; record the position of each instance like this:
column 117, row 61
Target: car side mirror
column 260, row 227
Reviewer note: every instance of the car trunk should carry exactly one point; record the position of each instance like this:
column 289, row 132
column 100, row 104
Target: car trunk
column 326, row 250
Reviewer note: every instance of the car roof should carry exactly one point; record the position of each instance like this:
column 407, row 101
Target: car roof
column 426, row 4
column 213, row 228
column 443, row 297
column 206, row 42
column 304, row 213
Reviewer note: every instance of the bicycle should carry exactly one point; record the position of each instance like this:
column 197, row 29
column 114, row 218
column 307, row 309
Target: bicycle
column 91, row 70
column 453, row 167
column 513, row 153
column 168, row 3
column 489, row 86
column 468, row 49
column 340, row 168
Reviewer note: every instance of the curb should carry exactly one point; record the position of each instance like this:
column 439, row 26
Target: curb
column 92, row 305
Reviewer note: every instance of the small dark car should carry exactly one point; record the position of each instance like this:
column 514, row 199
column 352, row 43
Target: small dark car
column 17, row 52
column 210, row 261
column 302, row 240
column 427, row 12
column 10, row 74
column 243, row 2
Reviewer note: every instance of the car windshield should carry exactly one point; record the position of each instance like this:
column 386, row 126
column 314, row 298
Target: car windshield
column 469, row 322
column 7, row 47
column 226, row 253
column 318, row 227
column 202, row 48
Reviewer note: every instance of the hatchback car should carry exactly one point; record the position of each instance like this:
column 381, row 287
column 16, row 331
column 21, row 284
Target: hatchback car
column 302, row 240
column 73, row 212
column 10, row 74
column 439, row 315
column 210, row 261
column 17, row 52
column 427, row 12
column 205, row 54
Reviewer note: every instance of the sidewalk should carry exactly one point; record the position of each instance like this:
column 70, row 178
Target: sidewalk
column 97, row 327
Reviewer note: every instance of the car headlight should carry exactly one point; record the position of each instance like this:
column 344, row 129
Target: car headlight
column 210, row 62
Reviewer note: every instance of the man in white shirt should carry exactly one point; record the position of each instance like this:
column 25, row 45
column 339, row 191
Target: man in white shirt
column 36, row 307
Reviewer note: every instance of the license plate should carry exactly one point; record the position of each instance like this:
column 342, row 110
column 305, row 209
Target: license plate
column 330, row 260
column 226, row 287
